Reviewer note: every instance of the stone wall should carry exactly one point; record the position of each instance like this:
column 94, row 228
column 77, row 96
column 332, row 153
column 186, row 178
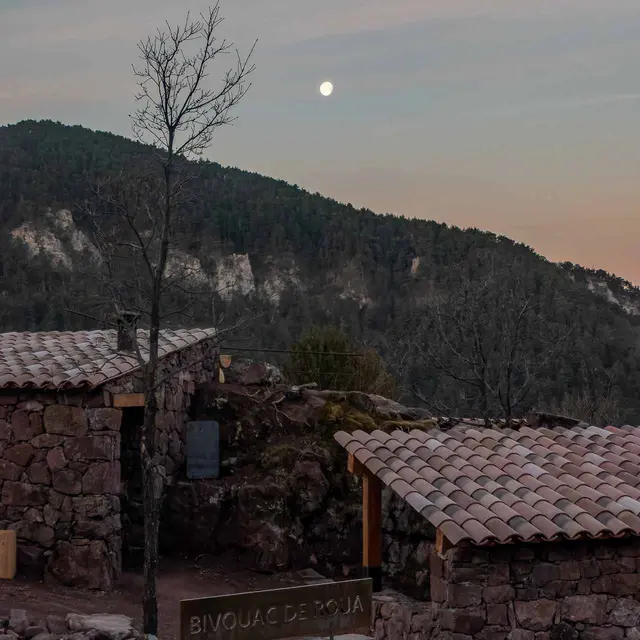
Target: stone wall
column 407, row 542
column 60, row 477
column 399, row 617
column 564, row 591
column 183, row 371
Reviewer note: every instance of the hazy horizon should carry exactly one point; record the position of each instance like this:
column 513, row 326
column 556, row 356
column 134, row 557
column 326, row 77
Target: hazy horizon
column 521, row 120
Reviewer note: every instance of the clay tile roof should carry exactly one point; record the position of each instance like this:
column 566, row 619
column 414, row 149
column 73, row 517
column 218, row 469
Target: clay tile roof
column 62, row 360
column 490, row 486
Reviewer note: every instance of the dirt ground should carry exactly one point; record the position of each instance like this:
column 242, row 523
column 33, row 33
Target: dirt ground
column 178, row 580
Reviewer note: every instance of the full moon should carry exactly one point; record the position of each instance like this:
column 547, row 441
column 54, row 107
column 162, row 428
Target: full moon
column 326, row 88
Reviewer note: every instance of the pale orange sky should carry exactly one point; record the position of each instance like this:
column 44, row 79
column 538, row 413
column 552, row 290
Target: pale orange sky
column 520, row 117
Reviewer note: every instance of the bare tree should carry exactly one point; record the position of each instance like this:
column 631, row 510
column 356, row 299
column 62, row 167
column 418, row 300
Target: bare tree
column 486, row 343
column 139, row 216
column 596, row 400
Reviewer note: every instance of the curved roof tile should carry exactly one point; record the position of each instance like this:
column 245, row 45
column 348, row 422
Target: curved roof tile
column 65, row 360
column 499, row 486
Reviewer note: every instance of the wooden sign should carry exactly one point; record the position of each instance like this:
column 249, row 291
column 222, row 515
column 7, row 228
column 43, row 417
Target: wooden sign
column 321, row 610
column 203, row 450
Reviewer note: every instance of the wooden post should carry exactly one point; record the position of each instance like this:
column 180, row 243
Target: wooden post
column 442, row 543
column 355, row 466
column 372, row 528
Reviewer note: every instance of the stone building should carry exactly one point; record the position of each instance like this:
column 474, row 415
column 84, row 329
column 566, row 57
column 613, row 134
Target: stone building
column 71, row 407
column 536, row 530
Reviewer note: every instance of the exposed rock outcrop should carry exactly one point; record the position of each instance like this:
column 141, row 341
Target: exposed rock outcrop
column 284, row 497
column 21, row 626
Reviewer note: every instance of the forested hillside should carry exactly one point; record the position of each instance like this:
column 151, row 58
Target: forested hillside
column 295, row 259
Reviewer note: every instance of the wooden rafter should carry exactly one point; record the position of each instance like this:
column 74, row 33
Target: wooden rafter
column 125, row 400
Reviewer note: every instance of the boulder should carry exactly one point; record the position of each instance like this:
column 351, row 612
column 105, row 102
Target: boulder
column 93, row 506
column 57, row 625
column 626, row 613
column 67, row 481
column 563, row 631
column 5, row 430
column 35, row 532
column 536, row 615
column 20, row 454
column 25, row 426
column 23, row 494
column 39, row 473
column 521, row 634
column 498, row 594
column 469, row 621
column 311, row 486
column 101, row 478
column 64, row 420
column 249, row 373
column 589, row 609
column 602, row 633
column 88, row 448
column 10, row 470
column 88, row 566
column 110, row 626
column 18, row 621
column 46, row 441
column 104, row 419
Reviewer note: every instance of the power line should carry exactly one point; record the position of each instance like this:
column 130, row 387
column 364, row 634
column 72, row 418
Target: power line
column 305, row 353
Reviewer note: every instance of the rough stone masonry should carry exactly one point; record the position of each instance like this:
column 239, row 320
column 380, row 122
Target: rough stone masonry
column 60, row 476
column 587, row 590
column 60, row 479
column 549, row 591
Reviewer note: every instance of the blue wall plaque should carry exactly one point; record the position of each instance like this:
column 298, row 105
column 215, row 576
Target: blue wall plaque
column 203, row 450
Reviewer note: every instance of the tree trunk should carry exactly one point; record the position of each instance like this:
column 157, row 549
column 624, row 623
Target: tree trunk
column 150, row 478
column 151, row 513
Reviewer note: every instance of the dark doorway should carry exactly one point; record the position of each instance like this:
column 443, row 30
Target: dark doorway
column 131, row 498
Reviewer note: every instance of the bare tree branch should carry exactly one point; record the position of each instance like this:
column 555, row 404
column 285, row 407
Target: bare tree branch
column 139, row 223
column 485, row 343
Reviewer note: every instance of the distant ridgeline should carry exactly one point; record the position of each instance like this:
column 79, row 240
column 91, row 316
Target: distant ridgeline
column 295, row 259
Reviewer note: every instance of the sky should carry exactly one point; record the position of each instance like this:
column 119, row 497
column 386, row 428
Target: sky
column 521, row 117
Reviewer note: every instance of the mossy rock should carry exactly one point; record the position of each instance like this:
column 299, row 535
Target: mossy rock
column 280, row 456
column 333, row 413
column 359, row 420
column 284, row 456
column 408, row 425
column 342, row 415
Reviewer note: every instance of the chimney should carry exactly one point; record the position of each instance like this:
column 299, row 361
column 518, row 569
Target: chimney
column 127, row 324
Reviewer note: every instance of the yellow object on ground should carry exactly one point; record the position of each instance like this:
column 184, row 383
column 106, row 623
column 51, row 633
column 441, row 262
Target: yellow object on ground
column 7, row 555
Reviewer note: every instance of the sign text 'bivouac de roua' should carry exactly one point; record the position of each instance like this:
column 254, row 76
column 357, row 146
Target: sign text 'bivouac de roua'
column 320, row 609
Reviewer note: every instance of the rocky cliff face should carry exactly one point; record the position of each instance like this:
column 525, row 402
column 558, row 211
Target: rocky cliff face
column 58, row 239
column 611, row 288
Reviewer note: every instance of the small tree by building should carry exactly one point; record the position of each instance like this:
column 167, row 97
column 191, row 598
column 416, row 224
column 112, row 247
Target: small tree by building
column 329, row 357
